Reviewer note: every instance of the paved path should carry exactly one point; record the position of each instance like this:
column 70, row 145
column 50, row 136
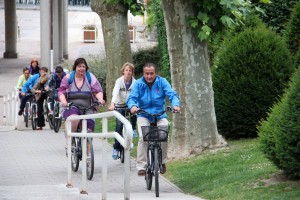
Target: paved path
column 33, row 165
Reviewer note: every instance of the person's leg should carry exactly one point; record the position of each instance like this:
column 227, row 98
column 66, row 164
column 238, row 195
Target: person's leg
column 23, row 103
column 69, row 112
column 119, row 129
column 133, row 123
column 40, row 111
column 142, row 146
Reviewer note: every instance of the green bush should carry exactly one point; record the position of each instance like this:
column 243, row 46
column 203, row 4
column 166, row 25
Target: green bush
column 143, row 56
column 253, row 69
column 292, row 35
column 277, row 14
column 279, row 134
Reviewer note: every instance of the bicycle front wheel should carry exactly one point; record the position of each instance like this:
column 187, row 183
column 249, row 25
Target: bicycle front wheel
column 156, row 168
column 74, row 154
column 57, row 118
column 26, row 111
column 34, row 116
column 148, row 174
column 89, row 159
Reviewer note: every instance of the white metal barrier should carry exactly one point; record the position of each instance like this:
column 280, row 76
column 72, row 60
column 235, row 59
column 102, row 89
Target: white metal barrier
column 125, row 142
column 10, row 108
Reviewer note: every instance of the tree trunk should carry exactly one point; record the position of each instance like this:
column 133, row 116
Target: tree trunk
column 114, row 21
column 195, row 128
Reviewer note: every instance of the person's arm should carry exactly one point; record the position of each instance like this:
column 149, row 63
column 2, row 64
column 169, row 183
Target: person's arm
column 132, row 101
column 20, row 82
column 96, row 89
column 26, row 87
column 62, row 90
column 115, row 94
column 171, row 94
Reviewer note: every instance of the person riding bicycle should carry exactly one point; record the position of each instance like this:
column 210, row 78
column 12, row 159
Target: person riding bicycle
column 22, row 80
column 81, row 88
column 34, row 67
column 120, row 94
column 27, row 89
column 149, row 93
column 53, row 85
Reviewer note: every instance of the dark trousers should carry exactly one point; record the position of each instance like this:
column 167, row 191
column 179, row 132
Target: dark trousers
column 40, row 113
column 24, row 100
column 119, row 127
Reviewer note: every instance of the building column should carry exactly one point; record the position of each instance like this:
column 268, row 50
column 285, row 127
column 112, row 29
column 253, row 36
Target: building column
column 55, row 32
column 65, row 29
column 45, row 32
column 60, row 35
column 10, row 29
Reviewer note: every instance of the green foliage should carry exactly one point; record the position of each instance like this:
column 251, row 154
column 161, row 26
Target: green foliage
column 277, row 13
column 156, row 18
column 217, row 16
column 98, row 68
column 249, row 76
column 144, row 56
column 135, row 7
column 293, row 30
column 279, row 134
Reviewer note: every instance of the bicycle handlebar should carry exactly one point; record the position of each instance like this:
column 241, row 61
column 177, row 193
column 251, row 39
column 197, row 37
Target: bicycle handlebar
column 93, row 105
column 142, row 111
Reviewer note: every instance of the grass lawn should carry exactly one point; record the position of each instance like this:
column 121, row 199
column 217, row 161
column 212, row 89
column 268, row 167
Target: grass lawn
column 238, row 172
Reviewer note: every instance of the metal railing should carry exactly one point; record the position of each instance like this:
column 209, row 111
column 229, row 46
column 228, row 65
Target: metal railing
column 125, row 142
column 10, row 108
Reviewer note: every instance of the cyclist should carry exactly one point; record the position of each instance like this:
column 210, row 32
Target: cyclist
column 27, row 88
column 22, row 80
column 82, row 88
column 120, row 94
column 149, row 92
column 34, row 67
column 53, row 85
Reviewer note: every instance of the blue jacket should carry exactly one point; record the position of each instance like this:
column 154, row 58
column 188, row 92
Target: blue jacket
column 30, row 83
column 152, row 100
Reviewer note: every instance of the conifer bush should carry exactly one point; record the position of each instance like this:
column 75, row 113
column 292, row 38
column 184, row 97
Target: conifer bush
column 279, row 134
column 292, row 35
column 252, row 71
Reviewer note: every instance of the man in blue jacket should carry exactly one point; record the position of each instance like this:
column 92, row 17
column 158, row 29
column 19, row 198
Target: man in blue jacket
column 149, row 93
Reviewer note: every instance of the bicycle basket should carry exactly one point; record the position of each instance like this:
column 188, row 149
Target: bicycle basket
column 155, row 133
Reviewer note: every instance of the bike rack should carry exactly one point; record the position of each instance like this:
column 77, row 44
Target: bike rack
column 125, row 142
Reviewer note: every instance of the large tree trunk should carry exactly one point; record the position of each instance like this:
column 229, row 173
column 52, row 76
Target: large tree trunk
column 114, row 21
column 195, row 129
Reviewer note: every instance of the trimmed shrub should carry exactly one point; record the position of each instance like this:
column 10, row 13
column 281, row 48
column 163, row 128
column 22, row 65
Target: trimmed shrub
column 292, row 36
column 253, row 69
column 279, row 134
column 277, row 14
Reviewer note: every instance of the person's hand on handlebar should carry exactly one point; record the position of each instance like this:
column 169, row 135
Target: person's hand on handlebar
column 133, row 109
column 176, row 108
column 101, row 101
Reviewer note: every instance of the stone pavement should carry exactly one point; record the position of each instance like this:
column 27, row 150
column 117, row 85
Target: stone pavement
column 33, row 165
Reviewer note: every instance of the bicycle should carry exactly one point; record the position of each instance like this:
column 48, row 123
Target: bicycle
column 76, row 147
column 26, row 113
column 127, row 115
column 48, row 118
column 154, row 135
column 57, row 117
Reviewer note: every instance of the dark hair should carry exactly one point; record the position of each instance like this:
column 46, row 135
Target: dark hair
column 80, row 61
column 34, row 60
column 150, row 65
column 26, row 69
column 44, row 68
column 59, row 69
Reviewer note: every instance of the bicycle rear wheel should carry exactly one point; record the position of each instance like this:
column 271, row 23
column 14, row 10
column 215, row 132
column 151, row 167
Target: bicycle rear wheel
column 46, row 114
column 148, row 174
column 89, row 159
column 74, row 154
column 26, row 111
column 156, row 174
column 34, row 116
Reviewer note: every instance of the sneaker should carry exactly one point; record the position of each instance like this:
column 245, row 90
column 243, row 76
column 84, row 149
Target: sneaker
column 141, row 172
column 20, row 112
column 135, row 135
column 115, row 154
